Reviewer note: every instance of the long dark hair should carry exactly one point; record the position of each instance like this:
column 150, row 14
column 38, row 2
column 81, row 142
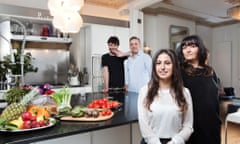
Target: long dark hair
column 202, row 56
column 176, row 89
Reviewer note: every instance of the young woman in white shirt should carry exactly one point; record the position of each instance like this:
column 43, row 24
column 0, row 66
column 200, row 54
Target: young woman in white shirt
column 165, row 112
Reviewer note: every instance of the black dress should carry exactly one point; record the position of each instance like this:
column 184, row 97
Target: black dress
column 207, row 124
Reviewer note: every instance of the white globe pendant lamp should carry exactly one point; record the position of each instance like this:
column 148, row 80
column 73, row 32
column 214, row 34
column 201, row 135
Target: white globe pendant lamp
column 75, row 4
column 66, row 15
column 72, row 22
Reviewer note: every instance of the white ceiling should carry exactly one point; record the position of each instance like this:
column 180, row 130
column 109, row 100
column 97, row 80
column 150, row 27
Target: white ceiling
column 212, row 10
column 42, row 4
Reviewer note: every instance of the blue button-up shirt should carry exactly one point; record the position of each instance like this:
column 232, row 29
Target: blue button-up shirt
column 138, row 71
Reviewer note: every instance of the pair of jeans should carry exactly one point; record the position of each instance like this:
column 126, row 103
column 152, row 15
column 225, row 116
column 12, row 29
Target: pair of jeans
column 162, row 140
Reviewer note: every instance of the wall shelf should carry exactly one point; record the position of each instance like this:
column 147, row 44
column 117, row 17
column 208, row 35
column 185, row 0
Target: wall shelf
column 32, row 38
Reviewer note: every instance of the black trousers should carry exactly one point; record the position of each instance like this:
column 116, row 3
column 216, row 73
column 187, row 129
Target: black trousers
column 163, row 141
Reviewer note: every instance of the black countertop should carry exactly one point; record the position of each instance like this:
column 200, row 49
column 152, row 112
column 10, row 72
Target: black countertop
column 126, row 114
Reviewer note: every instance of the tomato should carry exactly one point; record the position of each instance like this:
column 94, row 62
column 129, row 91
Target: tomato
column 26, row 116
column 108, row 112
column 97, row 106
column 103, row 113
column 104, row 106
column 42, row 123
column 109, row 105
column 49, row 92
column 100, row 102
column 91, row 105
column 95, row 102
column 115, row 104
column 27, row 124
column 105, row 100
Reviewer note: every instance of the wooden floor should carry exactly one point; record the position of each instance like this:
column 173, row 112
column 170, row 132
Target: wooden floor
column 233, row 134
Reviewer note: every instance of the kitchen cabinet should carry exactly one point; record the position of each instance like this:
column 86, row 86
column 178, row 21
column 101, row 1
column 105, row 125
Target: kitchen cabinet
column 126, row 134
column 116, row 135
column 136, row 134
column 84, row 138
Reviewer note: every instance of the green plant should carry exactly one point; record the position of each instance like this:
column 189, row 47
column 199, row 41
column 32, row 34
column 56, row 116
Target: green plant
column 16, row 68
column 3, row 71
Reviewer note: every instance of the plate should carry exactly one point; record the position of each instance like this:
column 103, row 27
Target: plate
column 86, row 119
column 51, row 120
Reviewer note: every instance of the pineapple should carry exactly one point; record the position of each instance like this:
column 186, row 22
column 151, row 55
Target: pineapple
column 14, row 110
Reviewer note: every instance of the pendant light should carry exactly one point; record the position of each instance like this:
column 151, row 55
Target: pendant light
column 66, row 15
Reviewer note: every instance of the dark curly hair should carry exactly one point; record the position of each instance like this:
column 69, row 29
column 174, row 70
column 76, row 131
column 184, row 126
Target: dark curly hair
column 114, row 40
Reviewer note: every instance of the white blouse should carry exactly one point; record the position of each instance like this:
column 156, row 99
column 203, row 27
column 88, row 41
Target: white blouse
column 165, row 119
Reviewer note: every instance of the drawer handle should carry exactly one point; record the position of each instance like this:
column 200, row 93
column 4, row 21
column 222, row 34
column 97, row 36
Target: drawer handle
column 43, row 38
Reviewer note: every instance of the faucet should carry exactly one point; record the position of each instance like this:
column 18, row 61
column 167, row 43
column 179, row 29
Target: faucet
column 22, row 49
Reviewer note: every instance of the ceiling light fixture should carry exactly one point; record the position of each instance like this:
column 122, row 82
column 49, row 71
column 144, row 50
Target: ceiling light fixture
column 233, row 1
column 66, row 15
column 234, row 12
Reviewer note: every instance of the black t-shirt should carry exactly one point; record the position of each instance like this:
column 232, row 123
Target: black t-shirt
column 116, row 70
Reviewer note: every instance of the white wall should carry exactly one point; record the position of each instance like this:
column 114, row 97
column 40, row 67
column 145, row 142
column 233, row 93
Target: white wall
column 206, row 33
column 156, row 30
column 230, row 33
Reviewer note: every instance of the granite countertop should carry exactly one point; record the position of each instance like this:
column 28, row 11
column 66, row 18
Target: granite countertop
column 126, row 114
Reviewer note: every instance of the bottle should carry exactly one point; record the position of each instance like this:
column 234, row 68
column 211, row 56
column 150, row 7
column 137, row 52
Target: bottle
column 81, row 78
column 85, row 76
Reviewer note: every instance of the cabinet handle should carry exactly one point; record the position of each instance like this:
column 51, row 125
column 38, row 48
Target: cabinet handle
column 43, row 38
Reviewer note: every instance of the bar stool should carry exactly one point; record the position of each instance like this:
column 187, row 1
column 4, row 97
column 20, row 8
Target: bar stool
column 234, row 118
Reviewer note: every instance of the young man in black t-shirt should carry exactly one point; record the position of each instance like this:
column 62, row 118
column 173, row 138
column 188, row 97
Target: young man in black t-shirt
column 113, row 66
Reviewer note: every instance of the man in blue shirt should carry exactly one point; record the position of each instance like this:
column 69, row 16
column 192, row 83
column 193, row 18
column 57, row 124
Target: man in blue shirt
column 138, row 67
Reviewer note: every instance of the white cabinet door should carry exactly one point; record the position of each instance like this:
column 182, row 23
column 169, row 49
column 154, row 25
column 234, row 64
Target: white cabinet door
column 136, row 134
column 116, row 135
column 75, row 139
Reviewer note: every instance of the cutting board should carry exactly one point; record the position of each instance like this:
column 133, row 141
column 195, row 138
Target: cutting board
column 87, row 119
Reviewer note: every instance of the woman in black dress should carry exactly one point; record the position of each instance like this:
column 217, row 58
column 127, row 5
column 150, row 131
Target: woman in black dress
column 199, row 78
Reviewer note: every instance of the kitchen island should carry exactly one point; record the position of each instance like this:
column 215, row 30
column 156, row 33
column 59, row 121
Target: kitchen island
column 123, row 122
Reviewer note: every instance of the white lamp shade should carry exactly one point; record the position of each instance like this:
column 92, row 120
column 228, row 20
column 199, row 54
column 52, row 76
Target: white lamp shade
column 55, row 6
column 58, row 21
column 72, row 22
column 65, row 14
column 75, row 4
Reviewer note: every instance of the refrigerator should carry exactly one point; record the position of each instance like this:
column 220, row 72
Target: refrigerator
column 97, row 74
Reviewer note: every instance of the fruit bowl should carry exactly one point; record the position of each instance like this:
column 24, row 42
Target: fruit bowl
column 52, row 122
